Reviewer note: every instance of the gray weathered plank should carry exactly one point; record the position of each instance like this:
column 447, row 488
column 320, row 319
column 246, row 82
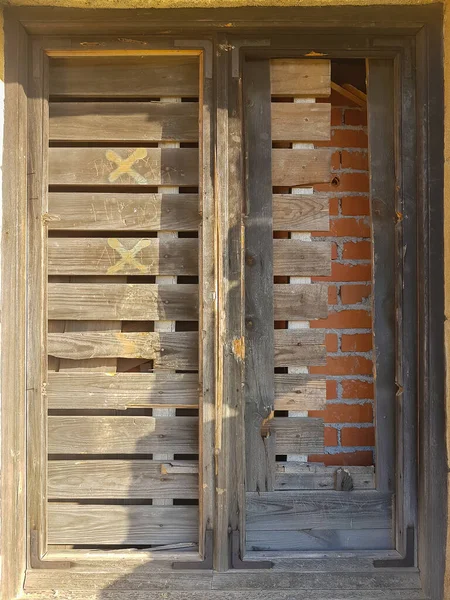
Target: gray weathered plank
column 296, row 347
column 300, row 212
column 300, row 301
column 299, row 392
column 300, row 122
column 296, row 435
column 312, row 476
column 300, row 77
column 300, row 167
column 299, row 258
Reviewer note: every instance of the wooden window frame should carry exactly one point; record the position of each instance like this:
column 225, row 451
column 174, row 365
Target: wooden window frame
column 410, row 39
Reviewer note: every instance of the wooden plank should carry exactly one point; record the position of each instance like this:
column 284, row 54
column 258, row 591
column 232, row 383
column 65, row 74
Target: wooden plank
column 259, row 293
column 300, row 301
column 122, row 302
column 299, row 258
column 83, row 211
column 139, row 524
column 308, row 122
column 295, row 347
column 296, row 435
column 300, row 212
column 300, row 77
column 299, row 392
column 139, row 479
column 120, row 391
column 122, row 256
column 124, row 121
column 122, row 435
column 171, row 350
column 300, row 167
column 296, row 510
column 124, row 166
column 311, row 476
column 356, row 99
column 125, row 76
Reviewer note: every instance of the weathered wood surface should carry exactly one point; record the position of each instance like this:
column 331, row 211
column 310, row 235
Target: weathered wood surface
column 122, row 301
column 299, row 258
column 131, row 122
column 139, row 524
column 300, row 301
column 300, row 212
column 140, row 479
column 122, row 435
column 129, row 212
column 286, row 510
column 300, row 167
column 311, row 476
column 125, row 76
column 122, row 256
column 295, row 347
column 120, row 391
column 296, row 77
column 308, row 122
column 296, row 435
column 125, row 166
column 168, row 350
column 299, row 392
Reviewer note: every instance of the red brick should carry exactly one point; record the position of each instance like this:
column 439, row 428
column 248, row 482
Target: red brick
column 345, row 319
column 332, row 294
column 359, row 342
column 346, row 227
column 353, row 294
column 346, row 138
column 355, row 206
column 345, row 413
column 355, row 160
column 357, row 251
column 353, row 390
column 333, row 206
column 342, row 272
column 331, row 389
column 354, row 436
column 331, row 342
column 331, row 438
column 344, row 365
column 336, row 161
column 334, row 253
column 355, row 117
column 361, row 459
column 336, row 117
column 345, row 182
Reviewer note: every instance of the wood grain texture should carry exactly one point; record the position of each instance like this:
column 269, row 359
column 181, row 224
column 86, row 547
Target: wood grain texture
column 311, row 476
column 296, row 435
column 126, row 76
column 95, row 524
column 300, row 77
column 124, row 166
column 300, row 301
column 300, row 212
column 120, row 391
column 122, row 302
column 308, row 122
column 124, row 121
column 299, row 258
column 300, row 167
column 128, row 212
column 296, row 347
column 171, row 350
column 138, row 479
column 122, row 435
column 299, row 392
column 122, row 256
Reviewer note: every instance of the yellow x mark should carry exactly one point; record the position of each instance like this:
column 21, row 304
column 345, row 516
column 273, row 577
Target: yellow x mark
column 128, row 256
column 124, row 165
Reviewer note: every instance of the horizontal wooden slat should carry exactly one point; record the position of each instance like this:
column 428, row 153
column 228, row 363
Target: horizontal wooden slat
column 127, row 121
column 299, row 258
column 300, row 301
column 297, row 347
column 124, row 166
column 123, row 256
column 297, row 435
column 130, row 212
column 83, row 524
column 122, row 435
column 300, row 77
column 138, row 479
column 126, row 76
column 124, row 302
column 299, row 212
column 171, row 350
column 120, row 391
column 311, row 476
column 290, row 511
column 300, row 122
column 300, row 167
column 299, row 392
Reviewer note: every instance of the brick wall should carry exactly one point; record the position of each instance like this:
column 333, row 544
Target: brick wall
column 349, row 414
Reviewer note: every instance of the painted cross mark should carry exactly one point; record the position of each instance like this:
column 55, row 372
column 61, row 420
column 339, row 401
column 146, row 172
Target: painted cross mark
column 124, row 165
column 128, row 257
